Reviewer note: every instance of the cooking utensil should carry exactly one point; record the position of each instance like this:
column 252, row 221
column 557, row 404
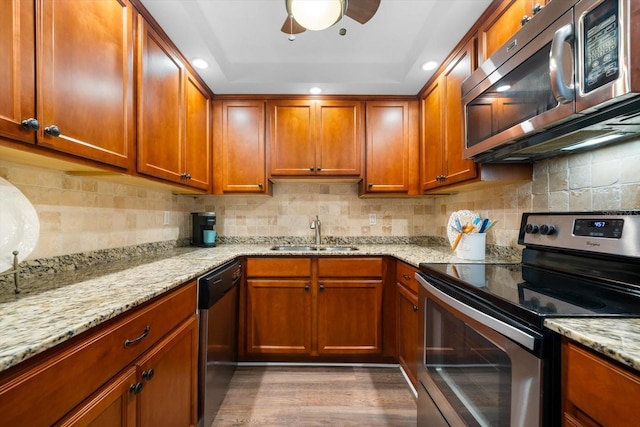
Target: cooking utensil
column 466, row 229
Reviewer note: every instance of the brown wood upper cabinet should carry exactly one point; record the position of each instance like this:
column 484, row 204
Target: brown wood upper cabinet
column 315, row 137
column 239, row 144
column 503, row 23
column 391, row 147
column 83, row 73
column 174, row 114
column 443, row 124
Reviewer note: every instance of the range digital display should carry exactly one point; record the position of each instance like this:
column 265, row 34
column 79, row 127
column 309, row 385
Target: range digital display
column 608, row 228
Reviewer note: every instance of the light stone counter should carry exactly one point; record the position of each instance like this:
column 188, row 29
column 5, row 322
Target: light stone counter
column 53, row 308
column 618, row 339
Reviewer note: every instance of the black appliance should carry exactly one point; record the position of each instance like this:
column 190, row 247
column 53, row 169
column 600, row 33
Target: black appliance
column 485, row 357
column 570, row 78
column 218, row 320
column 203, row 231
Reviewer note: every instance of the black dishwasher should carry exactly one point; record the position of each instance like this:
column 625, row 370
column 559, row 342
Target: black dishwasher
column 218, row 356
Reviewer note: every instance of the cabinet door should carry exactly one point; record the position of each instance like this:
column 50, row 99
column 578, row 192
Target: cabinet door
column 595, row 391
column 240, row 147
column 278, row 316
column 168, row 373
column 292, row 137
column 408, row 332
column 339, row 138
column 114, row 405
column 387, row 147
column 197, row 141
column 350, row 316
column 501, row 25
column 432, row 152
column 17, row 69
column 85, row 79
column 457, row 168
column 160, row 96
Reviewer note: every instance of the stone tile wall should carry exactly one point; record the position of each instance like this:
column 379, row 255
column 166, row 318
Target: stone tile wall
column 80, row 214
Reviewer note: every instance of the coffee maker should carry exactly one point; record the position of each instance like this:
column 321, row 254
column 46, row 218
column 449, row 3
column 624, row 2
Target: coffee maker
column 203, row 231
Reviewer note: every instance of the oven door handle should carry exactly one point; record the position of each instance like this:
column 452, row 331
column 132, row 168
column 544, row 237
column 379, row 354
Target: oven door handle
column 517, row 335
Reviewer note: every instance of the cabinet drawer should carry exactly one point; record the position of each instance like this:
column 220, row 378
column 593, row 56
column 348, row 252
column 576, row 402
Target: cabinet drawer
column 64, row 378
column 605, row 392
column 278, row 267
column 350, row 267
column 405, row 274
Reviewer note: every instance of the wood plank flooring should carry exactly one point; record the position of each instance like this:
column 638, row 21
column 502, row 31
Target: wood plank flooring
column 317, row 396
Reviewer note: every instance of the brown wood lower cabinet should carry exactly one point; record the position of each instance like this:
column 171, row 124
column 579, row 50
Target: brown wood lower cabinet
column 96, row 379
column 596, row 391
column 407, row 320
column 313, row 306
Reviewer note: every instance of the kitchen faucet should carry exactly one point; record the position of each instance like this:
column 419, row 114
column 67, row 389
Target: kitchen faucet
column 315, row 224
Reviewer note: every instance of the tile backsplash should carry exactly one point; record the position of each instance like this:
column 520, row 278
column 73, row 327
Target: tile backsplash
column 79, row 214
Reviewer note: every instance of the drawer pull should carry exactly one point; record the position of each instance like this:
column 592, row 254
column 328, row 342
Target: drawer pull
column 148, row 375
column 128, row 343
column 406, row 276
column 136, row 388
column 415, row 308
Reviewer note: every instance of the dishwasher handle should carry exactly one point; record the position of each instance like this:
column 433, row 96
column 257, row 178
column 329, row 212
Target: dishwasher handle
column 215, row 284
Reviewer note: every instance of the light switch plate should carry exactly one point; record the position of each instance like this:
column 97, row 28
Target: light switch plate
column 372, row 219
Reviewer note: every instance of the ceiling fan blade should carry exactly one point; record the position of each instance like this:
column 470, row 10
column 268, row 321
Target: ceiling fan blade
column 287, row 27
column 362, row 10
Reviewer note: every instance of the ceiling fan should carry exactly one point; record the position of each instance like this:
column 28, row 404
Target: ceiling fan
column 318, row 15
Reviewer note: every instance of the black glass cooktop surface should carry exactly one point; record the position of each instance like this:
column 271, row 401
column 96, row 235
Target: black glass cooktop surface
column 532, row 294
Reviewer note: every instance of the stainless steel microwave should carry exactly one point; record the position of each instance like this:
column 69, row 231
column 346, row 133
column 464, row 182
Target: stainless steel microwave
column 570, row 77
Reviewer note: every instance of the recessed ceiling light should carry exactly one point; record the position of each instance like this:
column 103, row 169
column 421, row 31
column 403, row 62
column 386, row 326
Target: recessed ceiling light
column 200, row 63
column 430, row 65
column 315, row 91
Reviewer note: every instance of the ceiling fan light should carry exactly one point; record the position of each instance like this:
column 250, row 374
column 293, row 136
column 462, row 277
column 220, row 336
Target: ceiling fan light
column 316, row 15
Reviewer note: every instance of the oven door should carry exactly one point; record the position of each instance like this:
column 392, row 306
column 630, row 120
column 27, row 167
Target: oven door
column 533, row 90
column 474, row 369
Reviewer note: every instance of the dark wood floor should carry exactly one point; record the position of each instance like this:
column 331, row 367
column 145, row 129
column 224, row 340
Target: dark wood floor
column 317, row 396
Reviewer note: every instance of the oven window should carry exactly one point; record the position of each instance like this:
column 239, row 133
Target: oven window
column 471, row 372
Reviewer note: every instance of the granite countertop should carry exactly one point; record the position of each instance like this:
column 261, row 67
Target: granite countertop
column 55, row 307
column 616, row 338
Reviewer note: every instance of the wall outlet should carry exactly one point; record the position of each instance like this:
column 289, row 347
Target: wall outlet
column 372, row 219
column 167, row 218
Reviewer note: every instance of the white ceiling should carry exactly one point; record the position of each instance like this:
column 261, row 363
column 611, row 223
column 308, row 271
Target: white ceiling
column 248, row 54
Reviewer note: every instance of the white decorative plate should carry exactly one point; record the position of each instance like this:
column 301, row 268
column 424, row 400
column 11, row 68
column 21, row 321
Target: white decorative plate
column 19, row 225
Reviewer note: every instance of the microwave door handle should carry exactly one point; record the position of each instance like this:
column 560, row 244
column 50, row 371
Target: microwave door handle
column 564, row 94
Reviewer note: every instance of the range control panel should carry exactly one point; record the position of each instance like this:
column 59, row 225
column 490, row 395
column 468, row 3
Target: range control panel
column 615, row 233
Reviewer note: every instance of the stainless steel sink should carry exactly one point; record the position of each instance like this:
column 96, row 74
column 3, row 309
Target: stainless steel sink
column 293, row 248
column 301, row 248
column 338, row 248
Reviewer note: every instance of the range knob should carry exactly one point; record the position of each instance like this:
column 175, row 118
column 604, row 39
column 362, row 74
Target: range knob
column 547, row 230
column 531, row 229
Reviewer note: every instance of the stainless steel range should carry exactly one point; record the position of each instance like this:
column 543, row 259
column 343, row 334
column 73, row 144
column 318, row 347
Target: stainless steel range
column 485, row 357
